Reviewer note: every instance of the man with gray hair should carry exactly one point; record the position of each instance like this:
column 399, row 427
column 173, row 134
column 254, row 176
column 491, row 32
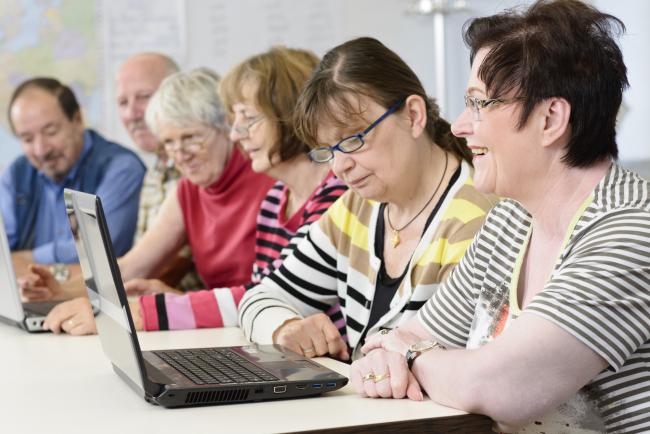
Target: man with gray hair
column 137, row 80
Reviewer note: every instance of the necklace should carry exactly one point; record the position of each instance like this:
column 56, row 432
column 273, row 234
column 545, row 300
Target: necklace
column 395, row 240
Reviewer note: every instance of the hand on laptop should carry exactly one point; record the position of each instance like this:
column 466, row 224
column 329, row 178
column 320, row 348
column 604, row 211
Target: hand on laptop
column 74, row 317
column 313, row 336
column 39, row 285
column 147, row 286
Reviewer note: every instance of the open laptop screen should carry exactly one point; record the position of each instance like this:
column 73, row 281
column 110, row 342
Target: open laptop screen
column 101, row 273
column 10, row 304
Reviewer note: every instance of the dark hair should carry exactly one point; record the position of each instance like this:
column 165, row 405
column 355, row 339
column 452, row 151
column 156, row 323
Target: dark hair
column 280, row 75
column 64, row 95
column 565, row 49
column 365, row 66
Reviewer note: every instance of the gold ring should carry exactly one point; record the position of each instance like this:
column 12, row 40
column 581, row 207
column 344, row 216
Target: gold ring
column 380, row 377
column 308, row 350
column 368, row 376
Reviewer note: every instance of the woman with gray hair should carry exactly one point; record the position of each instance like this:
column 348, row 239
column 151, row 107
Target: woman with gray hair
column 215, row 206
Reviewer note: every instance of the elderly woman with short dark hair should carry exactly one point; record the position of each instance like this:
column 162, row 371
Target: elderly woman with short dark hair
column 547, row 317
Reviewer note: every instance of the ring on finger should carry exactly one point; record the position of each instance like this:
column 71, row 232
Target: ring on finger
column 309, row 350
column 379, row 377
column 369, row 376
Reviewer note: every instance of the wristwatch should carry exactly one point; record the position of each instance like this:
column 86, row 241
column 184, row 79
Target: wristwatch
column 418, row 348
column 61, row 272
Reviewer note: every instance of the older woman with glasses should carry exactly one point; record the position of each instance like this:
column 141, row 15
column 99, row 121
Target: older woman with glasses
column 214, row 209
column 260, row 94
column 547, row 317
column 384, row 247
column 263, row 128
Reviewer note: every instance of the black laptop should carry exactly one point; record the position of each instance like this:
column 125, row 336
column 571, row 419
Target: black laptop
column 180, row 377
column 28, row 315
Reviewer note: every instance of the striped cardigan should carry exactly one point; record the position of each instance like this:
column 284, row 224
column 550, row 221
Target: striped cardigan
column 276, row 237
column 598, row 292
column 337, row 263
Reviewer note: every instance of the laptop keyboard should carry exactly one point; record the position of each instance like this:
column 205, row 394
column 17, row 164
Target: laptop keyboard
column 39, row 308
column 215, row 366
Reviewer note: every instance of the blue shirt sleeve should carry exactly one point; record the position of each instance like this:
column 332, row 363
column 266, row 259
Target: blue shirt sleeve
column 119, row 192
column 7, row 207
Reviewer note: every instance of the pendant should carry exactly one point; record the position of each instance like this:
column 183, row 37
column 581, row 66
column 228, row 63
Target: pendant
column 394, row 240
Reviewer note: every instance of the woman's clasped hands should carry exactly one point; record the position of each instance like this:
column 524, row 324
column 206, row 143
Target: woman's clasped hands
column 384, row 372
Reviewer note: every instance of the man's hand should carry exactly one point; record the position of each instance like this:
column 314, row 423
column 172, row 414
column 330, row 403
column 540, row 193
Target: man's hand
column 313, row 336
column 40, row 285
column 21, row 260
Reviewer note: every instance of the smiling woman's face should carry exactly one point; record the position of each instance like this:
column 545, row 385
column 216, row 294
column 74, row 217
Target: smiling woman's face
column 504, row 156
column 201, row 166
column 255, row 133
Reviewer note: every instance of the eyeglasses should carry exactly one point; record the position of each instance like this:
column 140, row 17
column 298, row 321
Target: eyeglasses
column 350, row 144
column 244, row 130
column 191, row 143
column 476, row 104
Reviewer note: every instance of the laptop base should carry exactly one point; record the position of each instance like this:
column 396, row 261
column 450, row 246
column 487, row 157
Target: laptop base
column 178, row 389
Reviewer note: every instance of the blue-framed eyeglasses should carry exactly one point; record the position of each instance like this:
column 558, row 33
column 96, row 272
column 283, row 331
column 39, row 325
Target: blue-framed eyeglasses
column 352, row 143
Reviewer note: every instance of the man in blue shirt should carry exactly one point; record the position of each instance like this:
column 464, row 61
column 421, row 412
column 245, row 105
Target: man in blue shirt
column 60, row 153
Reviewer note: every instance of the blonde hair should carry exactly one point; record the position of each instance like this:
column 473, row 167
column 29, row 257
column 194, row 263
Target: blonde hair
column 280, row 75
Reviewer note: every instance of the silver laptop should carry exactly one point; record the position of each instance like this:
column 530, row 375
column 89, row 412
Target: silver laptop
column 28, row 316
column 180, row 377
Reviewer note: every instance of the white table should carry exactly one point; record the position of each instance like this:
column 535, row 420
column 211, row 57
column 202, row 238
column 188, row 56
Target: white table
column 65, row 384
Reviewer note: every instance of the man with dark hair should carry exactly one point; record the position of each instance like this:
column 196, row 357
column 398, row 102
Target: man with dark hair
column 60, row 153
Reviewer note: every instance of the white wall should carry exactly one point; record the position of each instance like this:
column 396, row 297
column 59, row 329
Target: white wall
column 410, row 36
column 632, row 136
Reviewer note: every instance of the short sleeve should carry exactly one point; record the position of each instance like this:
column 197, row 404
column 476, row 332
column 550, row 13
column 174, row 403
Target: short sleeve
column 600, row 293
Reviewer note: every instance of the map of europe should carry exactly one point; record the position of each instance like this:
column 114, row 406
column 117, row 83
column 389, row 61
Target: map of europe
column 56, row 38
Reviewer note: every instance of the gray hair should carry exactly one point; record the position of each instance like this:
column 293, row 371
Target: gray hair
column 187, row 98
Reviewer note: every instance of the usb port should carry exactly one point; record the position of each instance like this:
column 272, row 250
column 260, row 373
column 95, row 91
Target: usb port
column 279, row 389
column 332, row 384
column 301, row 386
column 317, row 386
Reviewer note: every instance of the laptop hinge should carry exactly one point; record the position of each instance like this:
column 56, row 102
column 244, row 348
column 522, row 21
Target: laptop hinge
column 152, row 389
